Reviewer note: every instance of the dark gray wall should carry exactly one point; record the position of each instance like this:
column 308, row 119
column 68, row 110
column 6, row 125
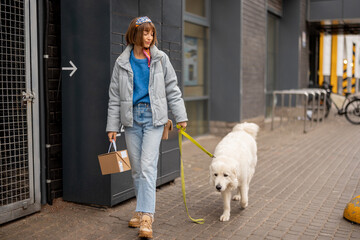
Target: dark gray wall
column 351, row 9
column 238, row 94
column 253, row 58
column 304, row 71
column 225, row 61
column 325, row 9
column 333, row 9
column 93, row 36
column 289, row 34
column 85, row 38
column 167, row 18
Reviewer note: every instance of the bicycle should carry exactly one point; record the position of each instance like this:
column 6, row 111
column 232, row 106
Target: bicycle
column 348, row 105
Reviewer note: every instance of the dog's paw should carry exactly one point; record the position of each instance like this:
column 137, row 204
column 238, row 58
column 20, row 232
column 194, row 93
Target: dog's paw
column 236, row 197
column 244, row 204
column 225, row 217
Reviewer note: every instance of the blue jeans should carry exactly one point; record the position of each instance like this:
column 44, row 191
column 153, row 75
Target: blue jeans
column 143, row 145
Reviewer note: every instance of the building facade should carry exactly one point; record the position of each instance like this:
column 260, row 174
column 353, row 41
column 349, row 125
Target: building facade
column 56, row 64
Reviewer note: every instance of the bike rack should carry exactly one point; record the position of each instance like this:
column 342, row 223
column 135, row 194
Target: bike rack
column 318, row 92
column 299, row 92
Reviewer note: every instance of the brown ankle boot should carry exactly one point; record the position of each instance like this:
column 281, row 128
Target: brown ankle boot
column 135, row 220
column 146, row 226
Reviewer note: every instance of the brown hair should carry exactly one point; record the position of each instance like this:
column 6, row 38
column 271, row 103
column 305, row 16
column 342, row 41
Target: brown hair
column 134, row 34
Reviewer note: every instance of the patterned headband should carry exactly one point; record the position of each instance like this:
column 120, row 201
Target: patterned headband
column 142, row 20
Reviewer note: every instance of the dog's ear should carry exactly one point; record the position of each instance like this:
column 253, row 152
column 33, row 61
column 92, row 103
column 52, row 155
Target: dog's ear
column 234, row 172
column 234, row 179
column 235, row 183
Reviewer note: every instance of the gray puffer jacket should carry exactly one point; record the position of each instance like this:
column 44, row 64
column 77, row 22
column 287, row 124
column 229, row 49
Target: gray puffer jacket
column 163, row 91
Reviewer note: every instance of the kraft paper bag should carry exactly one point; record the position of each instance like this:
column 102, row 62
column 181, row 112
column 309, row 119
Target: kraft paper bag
column 114, row 162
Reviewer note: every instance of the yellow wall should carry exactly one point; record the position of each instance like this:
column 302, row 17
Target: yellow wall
column 333, row 78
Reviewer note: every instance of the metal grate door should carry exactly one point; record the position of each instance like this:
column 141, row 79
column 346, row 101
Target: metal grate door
column 16, row 153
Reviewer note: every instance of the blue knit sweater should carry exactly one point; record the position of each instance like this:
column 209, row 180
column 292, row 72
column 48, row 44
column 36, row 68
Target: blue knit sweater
column 141, row 79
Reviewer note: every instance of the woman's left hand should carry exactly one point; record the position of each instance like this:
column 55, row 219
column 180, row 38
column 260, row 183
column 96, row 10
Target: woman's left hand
column 182, row 124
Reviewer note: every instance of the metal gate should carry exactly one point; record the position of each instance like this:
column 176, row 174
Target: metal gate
column 19, row 111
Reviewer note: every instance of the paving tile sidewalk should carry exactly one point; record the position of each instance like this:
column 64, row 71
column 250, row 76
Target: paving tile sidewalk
column 301, row 186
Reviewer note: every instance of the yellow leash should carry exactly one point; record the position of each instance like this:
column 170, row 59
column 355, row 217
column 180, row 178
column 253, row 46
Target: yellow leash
column 182, row 132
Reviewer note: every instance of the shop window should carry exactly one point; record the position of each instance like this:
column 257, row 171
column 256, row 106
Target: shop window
column 195, row 60
column 196, row 7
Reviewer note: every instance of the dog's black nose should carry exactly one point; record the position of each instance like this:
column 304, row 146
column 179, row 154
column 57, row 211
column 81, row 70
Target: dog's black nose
column 218, row 187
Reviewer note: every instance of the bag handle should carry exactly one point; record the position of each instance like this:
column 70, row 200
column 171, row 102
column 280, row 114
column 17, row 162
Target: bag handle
column 113, row 143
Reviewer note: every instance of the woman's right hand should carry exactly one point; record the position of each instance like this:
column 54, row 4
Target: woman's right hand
column 112, row 135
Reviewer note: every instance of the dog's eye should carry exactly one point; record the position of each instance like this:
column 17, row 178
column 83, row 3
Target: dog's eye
column 215, row 174
column 225, row 175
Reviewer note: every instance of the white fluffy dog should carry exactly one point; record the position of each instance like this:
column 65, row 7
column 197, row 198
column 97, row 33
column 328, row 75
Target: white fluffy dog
column 234, row 165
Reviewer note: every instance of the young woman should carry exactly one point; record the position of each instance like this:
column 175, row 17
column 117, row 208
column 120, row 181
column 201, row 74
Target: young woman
column 143, row 85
